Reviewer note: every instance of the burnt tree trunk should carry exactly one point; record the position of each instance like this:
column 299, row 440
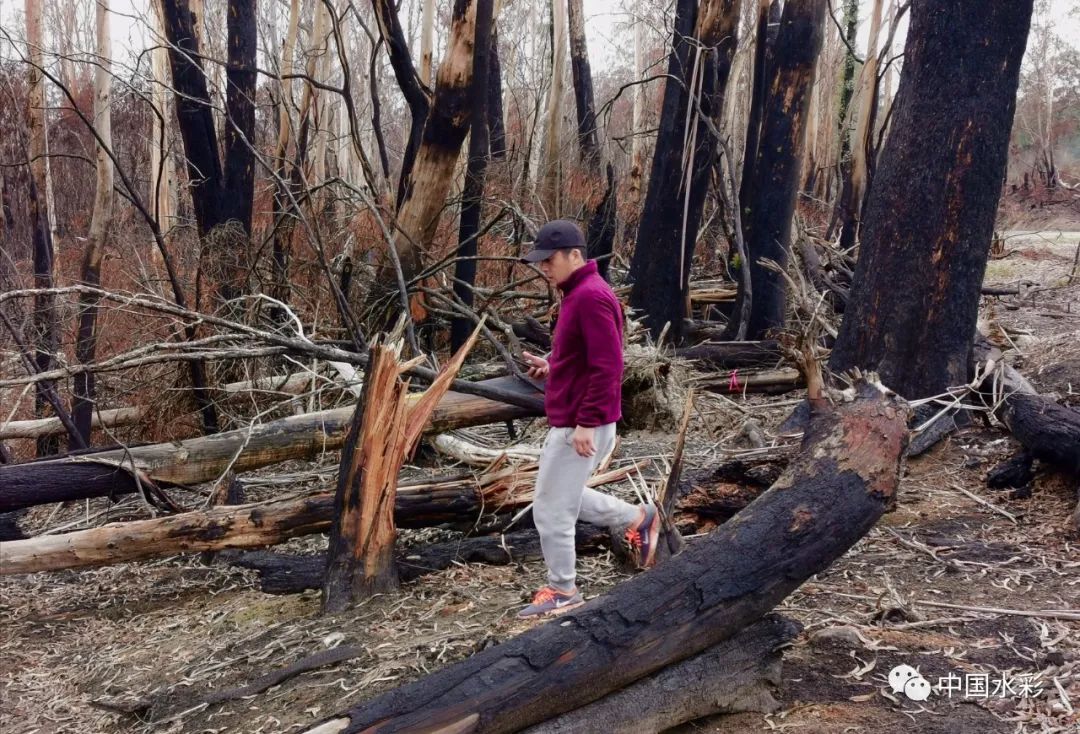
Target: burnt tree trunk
column 417, row 96
column 759, row 86
column 930, row 216
column 472, row 204
column 239, row 173
column 600, row 233
column 771, row 192
column 588, row 145
column 700, row 59
column 496, row 126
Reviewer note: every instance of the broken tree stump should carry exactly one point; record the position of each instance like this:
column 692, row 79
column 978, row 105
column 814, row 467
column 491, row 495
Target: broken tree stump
column 384, row 432
column 738, row 674
column 835, row 489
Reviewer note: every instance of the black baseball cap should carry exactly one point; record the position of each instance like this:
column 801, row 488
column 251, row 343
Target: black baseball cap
column 558, row 234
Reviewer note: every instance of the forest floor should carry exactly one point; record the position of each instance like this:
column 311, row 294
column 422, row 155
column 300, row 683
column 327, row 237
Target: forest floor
column 958, row 582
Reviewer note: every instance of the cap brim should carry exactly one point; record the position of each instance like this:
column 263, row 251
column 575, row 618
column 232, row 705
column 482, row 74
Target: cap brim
column 536, row 256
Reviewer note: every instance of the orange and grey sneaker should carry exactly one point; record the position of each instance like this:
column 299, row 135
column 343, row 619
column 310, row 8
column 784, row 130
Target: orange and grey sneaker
column 550, row 600
column 642, row 536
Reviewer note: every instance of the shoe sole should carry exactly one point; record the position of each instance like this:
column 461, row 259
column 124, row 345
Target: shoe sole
column 557, row 612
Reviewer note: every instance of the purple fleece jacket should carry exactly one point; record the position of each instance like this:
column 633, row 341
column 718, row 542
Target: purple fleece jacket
column 584, row 386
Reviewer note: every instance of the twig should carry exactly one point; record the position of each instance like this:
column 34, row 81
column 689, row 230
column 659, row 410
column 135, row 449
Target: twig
column 984, row 503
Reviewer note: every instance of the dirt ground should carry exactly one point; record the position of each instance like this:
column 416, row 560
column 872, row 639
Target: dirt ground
column 959, row 580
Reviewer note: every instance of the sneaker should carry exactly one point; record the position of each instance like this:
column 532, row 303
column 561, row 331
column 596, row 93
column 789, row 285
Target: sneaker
column 550, row 600
column 643, row 535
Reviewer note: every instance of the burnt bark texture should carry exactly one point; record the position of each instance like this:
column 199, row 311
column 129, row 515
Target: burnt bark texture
column 702, row 47
column 239, row 174
column 472, row 204
column 840, row 483
column 768, row 202
column 929, row 220
column 588, row 144
column 738, row 674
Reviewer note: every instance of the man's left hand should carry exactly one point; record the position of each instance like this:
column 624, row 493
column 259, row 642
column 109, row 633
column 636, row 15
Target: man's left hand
column 583, row 440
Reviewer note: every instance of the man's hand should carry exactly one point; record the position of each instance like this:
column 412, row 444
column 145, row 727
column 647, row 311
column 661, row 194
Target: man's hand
column 538, row 366
column 583, row 440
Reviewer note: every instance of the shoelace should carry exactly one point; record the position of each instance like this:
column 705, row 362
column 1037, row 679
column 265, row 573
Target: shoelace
column 633, row 537
column 545, row 594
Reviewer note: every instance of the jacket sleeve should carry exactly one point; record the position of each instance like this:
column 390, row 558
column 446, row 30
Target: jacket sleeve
column 602, row 332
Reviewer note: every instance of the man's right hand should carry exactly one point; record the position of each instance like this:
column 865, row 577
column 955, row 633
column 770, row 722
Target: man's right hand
column 538, row 366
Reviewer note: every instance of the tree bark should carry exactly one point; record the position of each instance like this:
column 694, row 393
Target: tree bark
column 773, row 188
column 930, row 215
column 552, row 181
column 841, row 482
column 472, row 204
column 198, row 460
column 239, row 174
column 100, row 220
column 683, row 158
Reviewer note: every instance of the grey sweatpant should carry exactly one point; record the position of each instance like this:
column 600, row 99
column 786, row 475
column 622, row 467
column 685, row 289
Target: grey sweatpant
column 562, row 498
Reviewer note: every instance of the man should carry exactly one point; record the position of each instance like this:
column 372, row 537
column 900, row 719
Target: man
column 582, row 400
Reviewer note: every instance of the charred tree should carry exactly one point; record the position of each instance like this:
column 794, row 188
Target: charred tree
column 773, row 188
column 702, row 47
column 219, row 193
column 496, row 125
column 417, row 96
column 930, row 216
column 476, row 170
column 588, row 144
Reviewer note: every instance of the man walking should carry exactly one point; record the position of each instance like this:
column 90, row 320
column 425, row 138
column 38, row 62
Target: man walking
column 582, row 400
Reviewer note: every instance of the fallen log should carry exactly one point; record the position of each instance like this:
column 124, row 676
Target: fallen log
column 736, row 675
column 281, row 573
column 419, row 504
column 836, row 488
column 766, row 381
column 733, row 355
column 109, row 473
column 39, row 427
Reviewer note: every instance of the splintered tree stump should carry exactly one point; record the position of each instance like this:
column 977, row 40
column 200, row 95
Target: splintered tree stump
column 384, row 432
column 835, row 489
column 736, row 675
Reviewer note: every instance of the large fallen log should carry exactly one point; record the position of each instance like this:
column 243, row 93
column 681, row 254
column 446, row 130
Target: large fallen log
column 738, row 674
column 420, row 504
column 835, row 489
column 109, row 473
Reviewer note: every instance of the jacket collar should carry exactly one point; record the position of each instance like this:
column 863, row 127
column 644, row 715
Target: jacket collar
column 578, row 276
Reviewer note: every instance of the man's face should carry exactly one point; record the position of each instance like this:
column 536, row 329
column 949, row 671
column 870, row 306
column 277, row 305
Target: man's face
column 560, row 265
